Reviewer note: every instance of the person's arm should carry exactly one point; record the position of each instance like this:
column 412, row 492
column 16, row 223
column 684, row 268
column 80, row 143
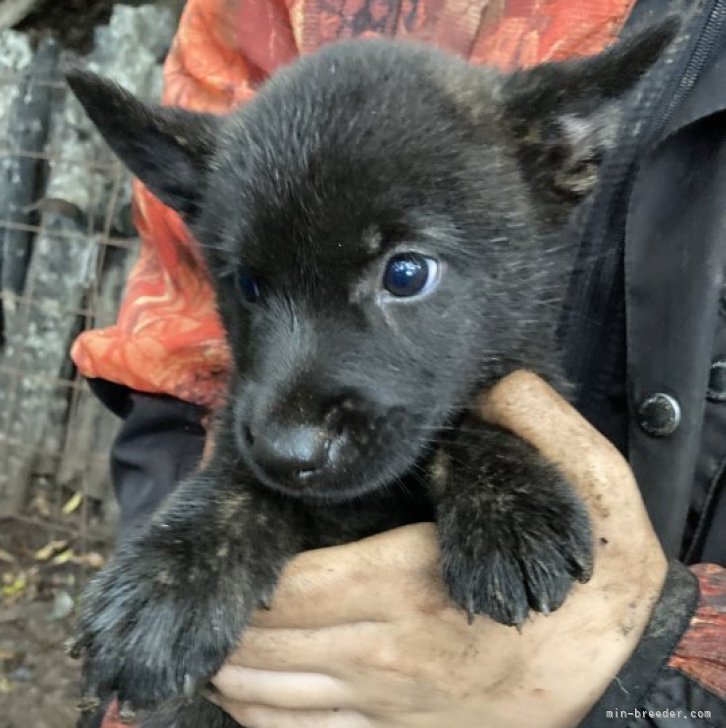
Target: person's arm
column 363, row 635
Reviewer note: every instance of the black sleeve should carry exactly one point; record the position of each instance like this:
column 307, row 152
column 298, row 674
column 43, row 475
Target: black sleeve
column 160, row 442
column 654, row 690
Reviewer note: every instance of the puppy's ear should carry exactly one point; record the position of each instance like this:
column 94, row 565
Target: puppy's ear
column 166, row 148
column 565, row 116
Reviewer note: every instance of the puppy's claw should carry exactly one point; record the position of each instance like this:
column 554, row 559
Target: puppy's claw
column 583, row 567
column 126, row 713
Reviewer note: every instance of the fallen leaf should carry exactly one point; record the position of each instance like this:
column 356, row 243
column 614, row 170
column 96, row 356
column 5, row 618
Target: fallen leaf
column 7, row 557
column 92, row 559
column 17, row 587
column 5, row 686
column 64, row 557
column 73, row 503
column 7, row 655
column 50, row 549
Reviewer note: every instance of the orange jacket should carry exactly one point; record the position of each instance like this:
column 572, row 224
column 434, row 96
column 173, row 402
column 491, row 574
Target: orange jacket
column 168, row 339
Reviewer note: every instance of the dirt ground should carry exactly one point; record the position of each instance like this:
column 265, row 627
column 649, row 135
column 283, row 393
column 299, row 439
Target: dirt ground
column 42, row 570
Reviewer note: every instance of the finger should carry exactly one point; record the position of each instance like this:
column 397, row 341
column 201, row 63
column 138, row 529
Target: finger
column 530, row 408
column 526, row 405
column 328, row 651
column 262, row 716
column 332, row 586
column 285, row 690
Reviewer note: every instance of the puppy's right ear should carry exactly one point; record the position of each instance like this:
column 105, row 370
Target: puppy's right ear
column 168, row 149
column 565, row 116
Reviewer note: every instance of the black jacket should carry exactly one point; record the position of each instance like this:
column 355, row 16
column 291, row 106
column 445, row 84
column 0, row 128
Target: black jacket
column 645, row 338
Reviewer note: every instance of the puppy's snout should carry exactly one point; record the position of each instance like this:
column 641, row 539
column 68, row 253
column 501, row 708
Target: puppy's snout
column 290, row 450
column 298, row 445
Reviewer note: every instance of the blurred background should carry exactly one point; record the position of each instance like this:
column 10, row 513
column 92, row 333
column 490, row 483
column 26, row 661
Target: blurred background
column 67, row 241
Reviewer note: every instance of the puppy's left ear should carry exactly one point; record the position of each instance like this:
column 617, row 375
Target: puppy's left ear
column 563, row 117
column 168, row 149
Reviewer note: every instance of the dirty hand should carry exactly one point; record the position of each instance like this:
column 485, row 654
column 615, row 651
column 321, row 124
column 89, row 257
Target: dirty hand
column 364, row 636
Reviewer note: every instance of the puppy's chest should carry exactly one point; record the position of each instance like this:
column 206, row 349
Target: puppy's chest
column 397, row 505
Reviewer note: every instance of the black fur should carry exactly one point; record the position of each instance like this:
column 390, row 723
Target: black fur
column 357, row 152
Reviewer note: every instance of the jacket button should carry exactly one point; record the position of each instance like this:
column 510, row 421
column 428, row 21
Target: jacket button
column 659, row 415
column 716, row 391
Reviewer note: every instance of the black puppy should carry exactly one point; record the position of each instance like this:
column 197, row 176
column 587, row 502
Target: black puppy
column 379, row 225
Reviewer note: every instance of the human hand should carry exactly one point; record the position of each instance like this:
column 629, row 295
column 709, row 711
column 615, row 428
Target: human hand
column 364, row 635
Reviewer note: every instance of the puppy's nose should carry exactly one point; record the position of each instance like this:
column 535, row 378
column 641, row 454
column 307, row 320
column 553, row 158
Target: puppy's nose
column 290, row 450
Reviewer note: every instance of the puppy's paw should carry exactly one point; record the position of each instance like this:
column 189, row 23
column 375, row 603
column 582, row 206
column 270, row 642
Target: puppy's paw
column 151, row 630
column 515, row 546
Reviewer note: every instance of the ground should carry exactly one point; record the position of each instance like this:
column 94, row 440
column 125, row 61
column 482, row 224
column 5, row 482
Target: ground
column 41, row 572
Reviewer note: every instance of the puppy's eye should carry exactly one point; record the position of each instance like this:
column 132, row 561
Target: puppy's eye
column 248, row 285
column 410, row 274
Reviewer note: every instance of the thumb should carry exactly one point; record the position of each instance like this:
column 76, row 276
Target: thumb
column 530, row 408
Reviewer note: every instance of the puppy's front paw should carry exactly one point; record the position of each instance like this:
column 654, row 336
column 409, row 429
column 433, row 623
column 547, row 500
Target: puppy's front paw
column 516, row 545
column 150, row 630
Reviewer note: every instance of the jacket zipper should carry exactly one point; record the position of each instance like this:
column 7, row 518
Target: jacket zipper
column 699, row 57
column 596, row 298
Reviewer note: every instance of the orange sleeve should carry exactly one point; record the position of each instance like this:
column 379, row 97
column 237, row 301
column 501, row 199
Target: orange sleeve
column 701, row 652
column 168, row 339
